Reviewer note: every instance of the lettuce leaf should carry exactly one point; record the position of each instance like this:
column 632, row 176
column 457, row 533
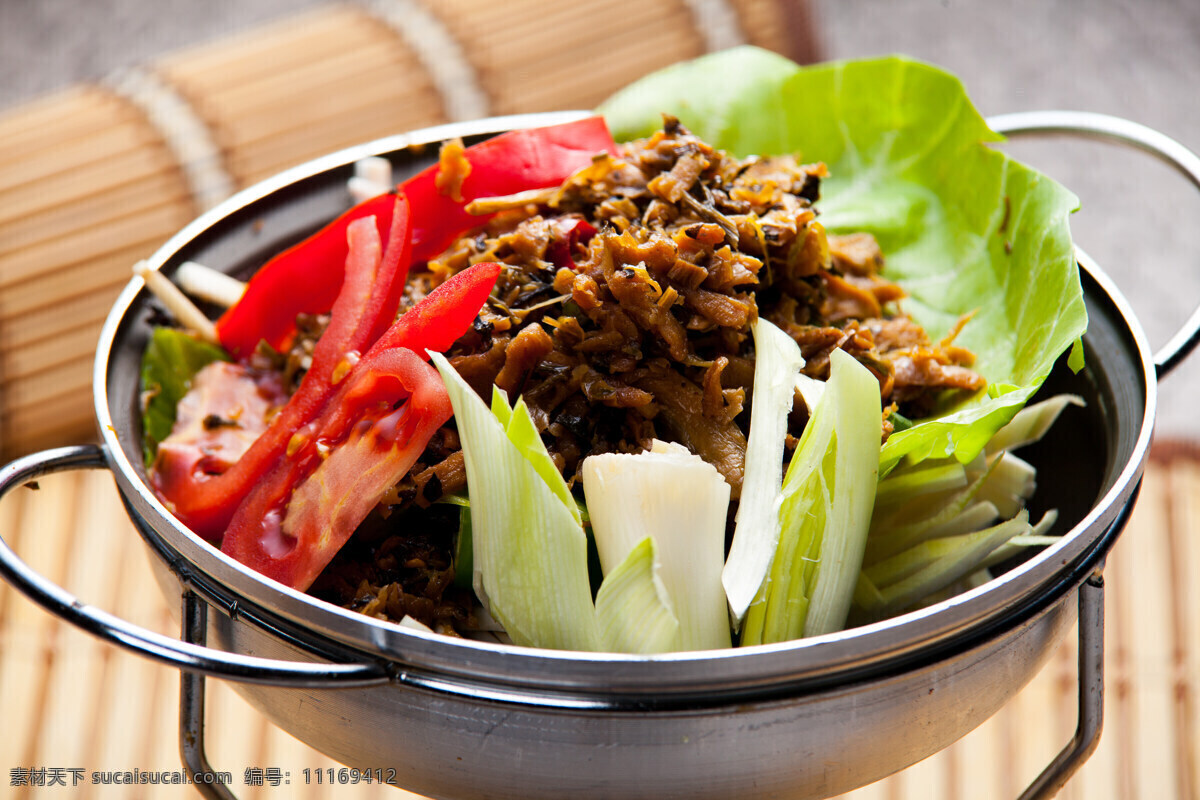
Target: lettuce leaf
column 172, row 359
column 964, row 228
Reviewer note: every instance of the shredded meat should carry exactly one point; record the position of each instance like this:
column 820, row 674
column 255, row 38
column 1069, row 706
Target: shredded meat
column 390, row 571
column 856, row 254
column 524, row 352
column 715, row 439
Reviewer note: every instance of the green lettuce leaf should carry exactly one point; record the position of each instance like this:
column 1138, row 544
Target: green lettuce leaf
column 964, row 228
column 171, row 360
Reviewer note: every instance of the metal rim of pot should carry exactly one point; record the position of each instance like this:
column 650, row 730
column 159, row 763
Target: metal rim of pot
column 369, row 652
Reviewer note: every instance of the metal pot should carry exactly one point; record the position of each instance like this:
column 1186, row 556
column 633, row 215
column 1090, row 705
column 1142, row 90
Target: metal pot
column 460, row 719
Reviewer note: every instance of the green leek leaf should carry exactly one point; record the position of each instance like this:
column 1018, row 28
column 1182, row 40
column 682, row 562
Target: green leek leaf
column 464, row 562
column 529, row 549
column 933, row 565
column 633, row 608
column 1031, row 423
column 829, row 491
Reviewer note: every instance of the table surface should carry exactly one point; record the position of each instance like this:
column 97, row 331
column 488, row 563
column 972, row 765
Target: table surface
column 71, row 702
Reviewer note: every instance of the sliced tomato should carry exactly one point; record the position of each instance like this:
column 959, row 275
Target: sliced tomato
column 366, row 304
column 304, row 279
column 336, row 468
column 517, row 161
column 302, row 513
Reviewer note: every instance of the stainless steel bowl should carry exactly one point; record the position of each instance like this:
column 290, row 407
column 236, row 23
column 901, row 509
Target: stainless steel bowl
column 461, row 719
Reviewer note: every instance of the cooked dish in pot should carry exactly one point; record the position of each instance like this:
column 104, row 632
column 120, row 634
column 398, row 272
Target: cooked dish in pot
column 695, row 378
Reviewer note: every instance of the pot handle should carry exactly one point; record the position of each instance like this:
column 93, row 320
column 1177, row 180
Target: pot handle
column 1115, row 129
column 189, row 657
column 1090, row 695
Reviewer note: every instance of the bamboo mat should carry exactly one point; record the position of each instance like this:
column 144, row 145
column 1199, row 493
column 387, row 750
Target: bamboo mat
column 68, row 701
column 96, row 177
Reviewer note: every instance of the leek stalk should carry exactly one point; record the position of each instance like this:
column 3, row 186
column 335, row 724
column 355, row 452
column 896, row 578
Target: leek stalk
column 679, row 502
column 756, row 533
column 529, row 549
column 828, row 491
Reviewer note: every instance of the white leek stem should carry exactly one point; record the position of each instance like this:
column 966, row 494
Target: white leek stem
column 756, row 535
column 414, row 624
column 680, row 502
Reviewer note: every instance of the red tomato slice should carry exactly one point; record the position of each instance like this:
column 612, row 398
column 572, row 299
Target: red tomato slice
column 293, row 523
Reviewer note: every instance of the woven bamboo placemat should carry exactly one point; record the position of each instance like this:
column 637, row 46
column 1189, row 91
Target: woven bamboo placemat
column 70, row 702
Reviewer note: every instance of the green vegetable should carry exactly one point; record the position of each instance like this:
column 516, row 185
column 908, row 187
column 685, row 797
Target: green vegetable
column 904, row 579
column 464, row 564
column 1031, row 423
column 756, row 535
column 929, row 539
column 679, row 501
column 925, row 478
column 529, row 550
column 964, row 228
column 922, row 516
column 171, row 360
column 828, row 494
column 633, row 606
